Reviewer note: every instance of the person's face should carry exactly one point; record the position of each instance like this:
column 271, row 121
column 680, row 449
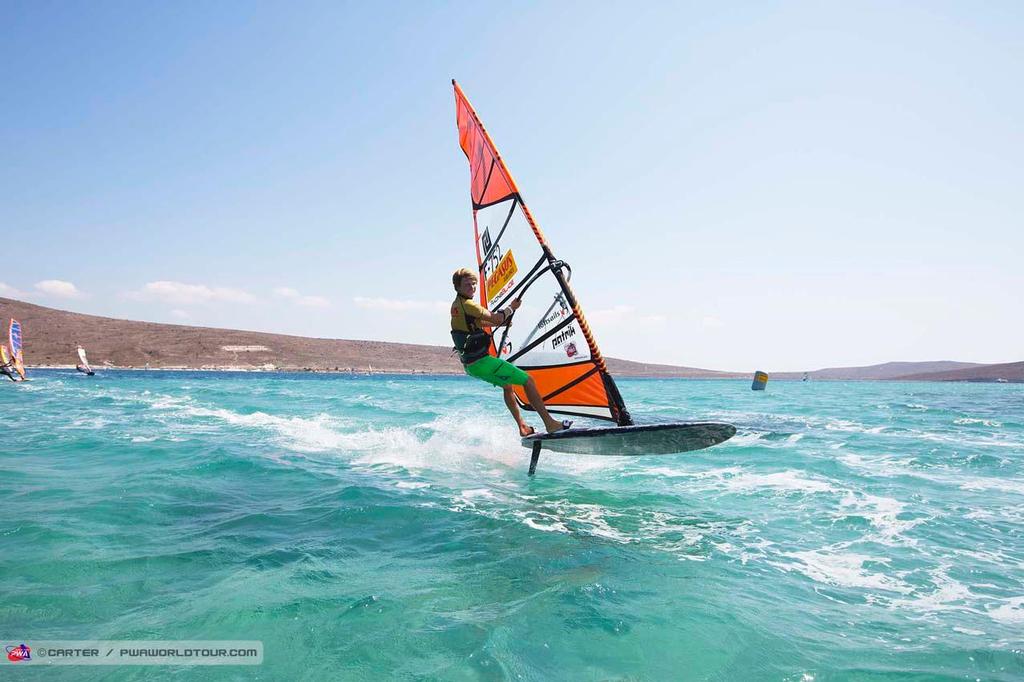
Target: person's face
column 467, row 287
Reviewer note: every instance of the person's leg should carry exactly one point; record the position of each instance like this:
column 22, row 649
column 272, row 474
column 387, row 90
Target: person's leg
column 504, row 374
column 537, row 403
column 513, row 407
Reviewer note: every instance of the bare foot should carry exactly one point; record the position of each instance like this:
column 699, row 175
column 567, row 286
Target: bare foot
column 526, row 430
column 554, row 426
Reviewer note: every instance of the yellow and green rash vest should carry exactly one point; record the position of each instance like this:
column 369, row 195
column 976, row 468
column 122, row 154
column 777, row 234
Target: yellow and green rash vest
column 465, row 313
column 466, row 316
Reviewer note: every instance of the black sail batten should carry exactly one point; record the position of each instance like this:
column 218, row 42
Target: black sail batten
column 504, row 226
column 582, row 377
column 541, row 339
column 564, row 364
column 490, row 174
column 561, row 409
column 477, row 207
column 521, row 287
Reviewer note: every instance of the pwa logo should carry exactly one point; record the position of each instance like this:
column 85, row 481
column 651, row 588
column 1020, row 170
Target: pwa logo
column 22, row 652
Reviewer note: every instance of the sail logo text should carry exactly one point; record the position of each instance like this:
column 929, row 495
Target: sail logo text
column 568, row 333
column 555, row 316
column 502, row 275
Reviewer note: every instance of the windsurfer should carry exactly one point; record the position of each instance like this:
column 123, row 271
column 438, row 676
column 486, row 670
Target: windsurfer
column 473, row 344
column 7, row 365
column 83, row 366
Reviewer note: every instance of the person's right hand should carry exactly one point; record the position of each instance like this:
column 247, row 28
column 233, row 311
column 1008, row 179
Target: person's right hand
column 516, row 303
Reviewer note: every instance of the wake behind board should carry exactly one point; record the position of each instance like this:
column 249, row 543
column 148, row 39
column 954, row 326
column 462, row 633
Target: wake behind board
column 631, row 441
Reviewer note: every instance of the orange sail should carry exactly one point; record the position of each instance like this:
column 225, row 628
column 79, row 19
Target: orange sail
column 548, row 338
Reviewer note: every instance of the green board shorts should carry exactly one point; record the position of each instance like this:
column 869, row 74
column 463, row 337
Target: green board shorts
column 497, row 372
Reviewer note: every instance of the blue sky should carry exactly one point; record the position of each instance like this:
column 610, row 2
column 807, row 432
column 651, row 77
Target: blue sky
column 763, row 185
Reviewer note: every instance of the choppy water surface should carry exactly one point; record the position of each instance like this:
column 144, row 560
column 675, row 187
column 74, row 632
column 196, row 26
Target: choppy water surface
column 369, row 527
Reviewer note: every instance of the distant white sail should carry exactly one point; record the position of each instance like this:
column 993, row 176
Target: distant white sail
column 84, row 367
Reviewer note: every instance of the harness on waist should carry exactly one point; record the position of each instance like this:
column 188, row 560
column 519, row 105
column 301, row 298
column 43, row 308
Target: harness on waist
column 474, row 344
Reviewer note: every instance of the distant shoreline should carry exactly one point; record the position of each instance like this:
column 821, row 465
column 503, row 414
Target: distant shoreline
column 357, row 372
column 424, row 373
column 130, row 346
column 250, row 369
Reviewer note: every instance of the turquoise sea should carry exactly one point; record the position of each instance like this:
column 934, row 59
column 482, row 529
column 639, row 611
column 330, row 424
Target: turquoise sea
column 383, row 527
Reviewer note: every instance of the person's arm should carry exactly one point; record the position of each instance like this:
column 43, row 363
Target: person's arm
column 499, row 317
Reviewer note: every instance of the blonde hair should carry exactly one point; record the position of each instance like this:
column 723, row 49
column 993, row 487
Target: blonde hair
column 461, row 274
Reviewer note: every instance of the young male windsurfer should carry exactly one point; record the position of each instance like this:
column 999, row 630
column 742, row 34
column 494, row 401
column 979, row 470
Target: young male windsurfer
column 472, row 342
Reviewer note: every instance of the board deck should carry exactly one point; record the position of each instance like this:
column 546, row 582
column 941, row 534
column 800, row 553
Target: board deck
column 631, row 441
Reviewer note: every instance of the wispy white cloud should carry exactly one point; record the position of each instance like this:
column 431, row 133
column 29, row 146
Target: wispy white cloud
column 10, row 292
column 621, row 314
column 711, row 322
column 400, row 305
column 298, row 299
column 179, row 314
column 58, row 288
column 180, row 293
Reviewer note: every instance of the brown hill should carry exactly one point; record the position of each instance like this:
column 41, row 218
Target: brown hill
column 1012, row 372
column 884, row 371
column 628, row 368
column 51, row 335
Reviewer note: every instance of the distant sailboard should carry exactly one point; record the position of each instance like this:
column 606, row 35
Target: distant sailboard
column 549, row 337
column 83, row 366
column 17, row 356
